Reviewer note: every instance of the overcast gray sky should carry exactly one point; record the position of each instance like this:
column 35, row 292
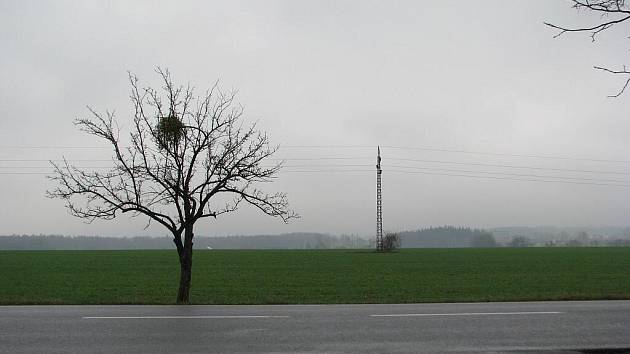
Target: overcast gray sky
column 444, row 75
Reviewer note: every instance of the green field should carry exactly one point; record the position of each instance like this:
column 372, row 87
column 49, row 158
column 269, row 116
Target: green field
column 314, row 277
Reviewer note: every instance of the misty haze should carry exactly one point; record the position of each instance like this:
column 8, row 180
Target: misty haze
column 315, row 176
column 464, row 109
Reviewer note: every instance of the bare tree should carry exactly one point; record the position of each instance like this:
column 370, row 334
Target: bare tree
column 610, row 13
column 391, row 242
column 188, row 158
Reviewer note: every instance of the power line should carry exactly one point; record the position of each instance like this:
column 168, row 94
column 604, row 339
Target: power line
column 552, row 157
column 283, row 171
column 344, row 168
column 472, row 171
column 333, row 146
column 335, row 165
column 511, row 174
column 44, row 160
column 24, row 173
column 512, row 166
column 509, row 178
column 323, row 158
column 363, row 165
column 558, row 181
column 36, row 147
column 40, row 167
column 109, row 160
column 327, row 146
column 498, row 175
column 321, row 171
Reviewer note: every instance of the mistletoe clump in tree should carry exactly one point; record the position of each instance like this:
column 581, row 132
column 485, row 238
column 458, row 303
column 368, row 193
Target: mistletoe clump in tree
column 187, row 158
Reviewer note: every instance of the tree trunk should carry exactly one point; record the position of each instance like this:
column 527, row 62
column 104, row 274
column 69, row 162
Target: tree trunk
column 185, row 262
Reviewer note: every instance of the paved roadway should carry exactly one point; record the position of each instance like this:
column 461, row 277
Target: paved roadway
column 526, row 327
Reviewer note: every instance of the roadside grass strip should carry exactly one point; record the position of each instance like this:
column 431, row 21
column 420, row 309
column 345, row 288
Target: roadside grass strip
column 174, row 317
column 247, row 277
column 469, row 314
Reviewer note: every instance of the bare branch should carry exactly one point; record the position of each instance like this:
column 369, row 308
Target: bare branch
column 613, row 11
column 623, row 72
column 171, row 175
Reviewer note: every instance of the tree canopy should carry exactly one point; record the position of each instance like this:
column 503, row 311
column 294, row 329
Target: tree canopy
column 187, row 158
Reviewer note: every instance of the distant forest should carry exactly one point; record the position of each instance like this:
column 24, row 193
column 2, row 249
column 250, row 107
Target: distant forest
column 540, row 236
column 447, row 237
column 283, row 241
column 433, row 237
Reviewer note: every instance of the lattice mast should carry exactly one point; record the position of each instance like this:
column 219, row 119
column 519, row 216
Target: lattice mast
column 379, row 203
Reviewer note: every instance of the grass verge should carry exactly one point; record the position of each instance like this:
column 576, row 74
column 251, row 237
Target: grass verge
column 316, row 277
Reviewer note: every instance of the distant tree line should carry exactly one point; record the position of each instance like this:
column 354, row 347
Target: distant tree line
column 284, row 241
column 583, row 239
column 562, row 236
column 433, row 237
column 450, row 236
column 447, row 237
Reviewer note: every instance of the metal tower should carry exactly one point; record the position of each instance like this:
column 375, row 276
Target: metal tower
column 379, row 203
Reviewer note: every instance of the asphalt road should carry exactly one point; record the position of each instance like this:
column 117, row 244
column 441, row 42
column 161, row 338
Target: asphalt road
column 407, row 328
